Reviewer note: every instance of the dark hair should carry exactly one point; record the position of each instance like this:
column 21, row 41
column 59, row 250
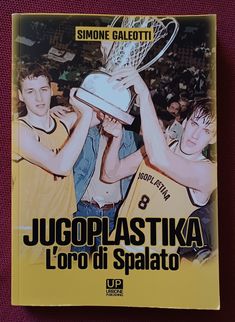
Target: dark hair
column 203, row 108
column 184, row 96
column 166, row 117
column 174, row 99
column 31, row 71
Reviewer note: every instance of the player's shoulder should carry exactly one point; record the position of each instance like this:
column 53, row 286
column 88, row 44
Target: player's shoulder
column 212, row 165
column 22, row 125
column 68, row 119
column 22, row 130
column 22, row 121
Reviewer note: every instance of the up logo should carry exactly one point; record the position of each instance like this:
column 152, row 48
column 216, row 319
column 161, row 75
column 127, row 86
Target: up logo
column 114, row 287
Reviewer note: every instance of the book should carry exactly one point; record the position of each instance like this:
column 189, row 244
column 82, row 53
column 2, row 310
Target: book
column 114, row 198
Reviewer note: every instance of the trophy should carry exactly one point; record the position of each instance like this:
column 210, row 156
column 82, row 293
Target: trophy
column 97, row 92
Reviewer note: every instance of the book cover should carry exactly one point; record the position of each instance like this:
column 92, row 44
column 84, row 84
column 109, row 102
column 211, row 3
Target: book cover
column 114, row 161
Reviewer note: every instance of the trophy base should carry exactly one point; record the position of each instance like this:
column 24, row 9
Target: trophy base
column 108, row 108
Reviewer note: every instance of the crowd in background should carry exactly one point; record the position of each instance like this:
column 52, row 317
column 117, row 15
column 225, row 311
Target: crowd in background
column 184, row 73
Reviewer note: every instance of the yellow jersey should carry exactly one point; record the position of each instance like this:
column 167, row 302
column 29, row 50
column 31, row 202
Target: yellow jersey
column 38, row 193
column 153, row 194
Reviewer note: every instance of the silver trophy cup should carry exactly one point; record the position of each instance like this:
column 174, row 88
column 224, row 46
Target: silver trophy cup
column 97, row 92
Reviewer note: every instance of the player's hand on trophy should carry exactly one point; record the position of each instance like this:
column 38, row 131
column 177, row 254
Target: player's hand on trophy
column 97, row 117
column 112, row 127
column 78, row 106
column 128, row 76
column 60, row 110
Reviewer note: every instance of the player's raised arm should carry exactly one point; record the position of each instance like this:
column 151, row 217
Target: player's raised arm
column 28, row 147
column 113, row 168
column 185, row 167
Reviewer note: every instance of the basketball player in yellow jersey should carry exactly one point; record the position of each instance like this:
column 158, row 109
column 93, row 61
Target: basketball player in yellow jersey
column 44, row 153
column 171, row 182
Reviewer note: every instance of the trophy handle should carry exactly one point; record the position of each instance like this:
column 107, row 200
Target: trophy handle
column 173, row 20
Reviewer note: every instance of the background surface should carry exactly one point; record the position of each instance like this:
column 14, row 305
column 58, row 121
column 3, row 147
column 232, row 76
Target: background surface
column 226, row 157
